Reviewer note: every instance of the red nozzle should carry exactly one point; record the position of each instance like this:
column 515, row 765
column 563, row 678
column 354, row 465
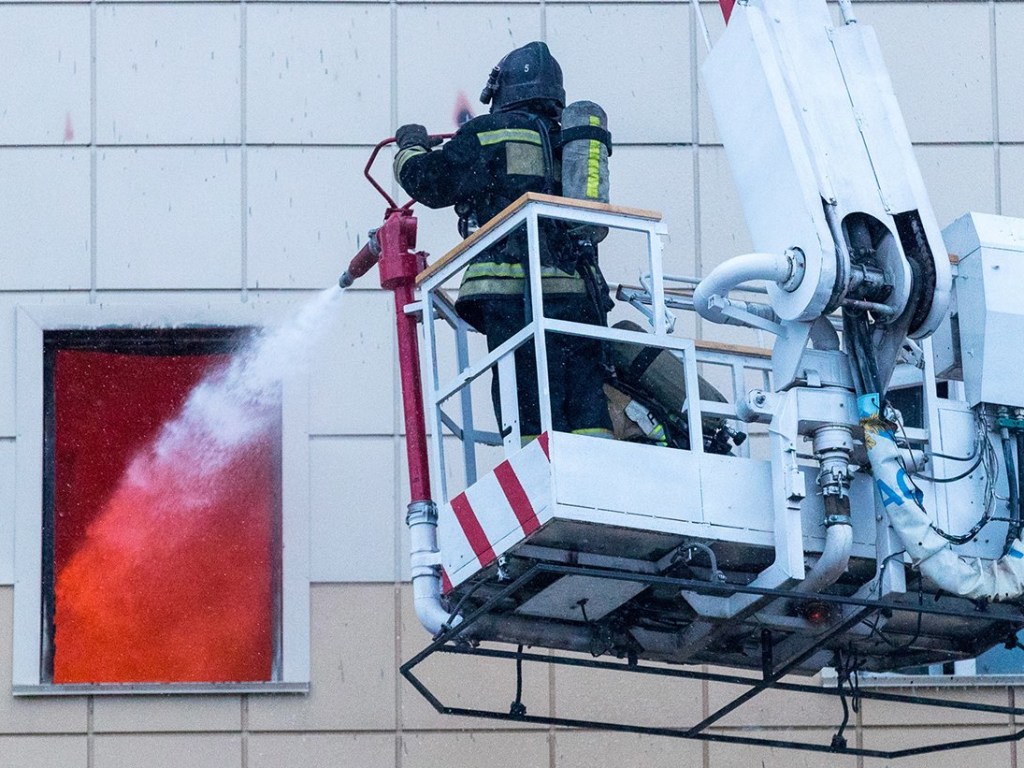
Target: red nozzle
column 361, row 263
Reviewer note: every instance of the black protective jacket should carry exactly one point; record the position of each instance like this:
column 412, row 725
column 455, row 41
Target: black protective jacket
column 492, row 161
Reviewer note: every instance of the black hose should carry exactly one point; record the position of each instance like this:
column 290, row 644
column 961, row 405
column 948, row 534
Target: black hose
column 851, row 350
column 869, row 356
column 1013, row 531
column 1019, row 514
column 518, row 709
column 857, row 331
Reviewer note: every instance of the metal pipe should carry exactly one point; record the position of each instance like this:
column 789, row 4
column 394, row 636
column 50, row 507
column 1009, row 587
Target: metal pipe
column 412, row 397
column 362, row 262
column 425, row 561
column 832, row 447
column 846, row 8
column 399, row 265
column 833, row 561
column 726, row 277
column 687, row 280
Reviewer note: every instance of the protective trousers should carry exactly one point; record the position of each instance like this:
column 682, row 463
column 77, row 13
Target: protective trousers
column 575, row 368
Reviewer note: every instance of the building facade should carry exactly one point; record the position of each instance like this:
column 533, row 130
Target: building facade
column 165, row 165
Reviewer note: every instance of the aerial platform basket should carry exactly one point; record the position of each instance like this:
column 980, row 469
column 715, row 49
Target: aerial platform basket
column 736, row 521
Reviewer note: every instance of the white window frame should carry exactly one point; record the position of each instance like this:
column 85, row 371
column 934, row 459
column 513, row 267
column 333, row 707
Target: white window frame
column 31, row 323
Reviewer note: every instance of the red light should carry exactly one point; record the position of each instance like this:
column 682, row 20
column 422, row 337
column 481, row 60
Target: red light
column 818, row 613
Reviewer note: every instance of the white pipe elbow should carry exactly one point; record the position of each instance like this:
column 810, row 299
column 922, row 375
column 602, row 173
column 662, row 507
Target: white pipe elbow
column 832, row 564
column 426, row 592
column 425, row 562
column 774, row 267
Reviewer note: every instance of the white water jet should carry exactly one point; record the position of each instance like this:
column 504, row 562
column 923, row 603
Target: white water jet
column 236, row 404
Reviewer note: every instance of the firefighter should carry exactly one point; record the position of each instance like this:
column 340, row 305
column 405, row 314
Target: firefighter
column 486, row 166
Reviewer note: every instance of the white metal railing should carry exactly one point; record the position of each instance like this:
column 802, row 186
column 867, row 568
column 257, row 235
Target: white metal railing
column 449, row 398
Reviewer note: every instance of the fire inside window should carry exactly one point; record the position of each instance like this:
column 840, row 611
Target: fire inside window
column 162, row 511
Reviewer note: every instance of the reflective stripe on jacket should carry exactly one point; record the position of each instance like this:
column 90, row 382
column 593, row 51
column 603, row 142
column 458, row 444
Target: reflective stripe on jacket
column 492, row 161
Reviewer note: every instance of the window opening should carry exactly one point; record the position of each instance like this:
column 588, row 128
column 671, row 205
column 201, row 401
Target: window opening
column 162, row 509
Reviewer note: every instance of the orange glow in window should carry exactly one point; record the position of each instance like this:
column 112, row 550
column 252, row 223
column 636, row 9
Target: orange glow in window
column 160, row 574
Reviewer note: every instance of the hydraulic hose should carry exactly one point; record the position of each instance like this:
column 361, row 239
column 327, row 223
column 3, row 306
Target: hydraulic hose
column 1018, row 514
column 1012, row 478
column 969, row 577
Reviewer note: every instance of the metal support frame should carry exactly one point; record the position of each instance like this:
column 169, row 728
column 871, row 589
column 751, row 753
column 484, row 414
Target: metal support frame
column 458, row 641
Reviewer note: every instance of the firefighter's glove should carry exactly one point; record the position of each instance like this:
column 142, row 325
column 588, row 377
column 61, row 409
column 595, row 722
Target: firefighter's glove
column 414, row 135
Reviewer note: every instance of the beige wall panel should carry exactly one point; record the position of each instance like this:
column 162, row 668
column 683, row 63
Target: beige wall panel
column 43, row 752
column 658, row 179
column 775, row 708
column 196, row 751
column 8, row 302
column 142, row 714
column 474, row 750
column 445, row 53
column 168, row 74
column 618, row 697
column 44, row 83
column 321, row 750
column 723, row 230
column 633, row 60
column 352, row 509
column 464, row 682
column 958, row 179
column 6, row 511
column 437, row 231
column 587, row 749
column 353, row 376
column 1011, row 176
column 744, row 756
column 939, row 59
column 169, row 218
column 707, row 132
column 45, row 230
column 309, row 211
column 885, row 713
column 1010, row 69
column 991, row 756
column 317, row 74
column 31, row 715
column 353, row 666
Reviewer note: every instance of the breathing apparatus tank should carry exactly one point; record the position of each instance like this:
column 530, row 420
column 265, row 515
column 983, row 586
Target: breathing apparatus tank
column 586, row 147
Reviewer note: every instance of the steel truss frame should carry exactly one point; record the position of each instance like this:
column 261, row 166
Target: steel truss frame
column 452, row 641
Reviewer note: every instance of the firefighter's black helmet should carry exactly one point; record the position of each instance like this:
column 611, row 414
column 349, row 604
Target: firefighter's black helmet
column 526, row 74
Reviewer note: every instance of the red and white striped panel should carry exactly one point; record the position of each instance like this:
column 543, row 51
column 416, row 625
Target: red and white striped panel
column 495, row 513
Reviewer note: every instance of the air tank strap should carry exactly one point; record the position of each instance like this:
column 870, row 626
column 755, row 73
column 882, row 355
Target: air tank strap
column 586, row 133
